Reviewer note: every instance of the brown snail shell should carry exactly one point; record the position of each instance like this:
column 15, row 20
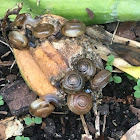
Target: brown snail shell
column 44, row 106
column 20, row 19
column 40, row 108
column 73, row 82
column 100, row 80
column 79, row 103
column 18, row 40
column 43, row 30
column 25, row 18
column 73, row 28
column 86, row 67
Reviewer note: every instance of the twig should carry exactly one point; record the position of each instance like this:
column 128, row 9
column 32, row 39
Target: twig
column 63, row 125
column 6, row 45
column 4, row 112
column 59, row 113
column 97, row 125
column 84, row 125
column 114, row 32
column 103, row 130
column 6, row 54
column 38, row 2
column 12, row 65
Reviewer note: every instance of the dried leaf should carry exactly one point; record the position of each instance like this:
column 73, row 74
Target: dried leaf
column 133, row 133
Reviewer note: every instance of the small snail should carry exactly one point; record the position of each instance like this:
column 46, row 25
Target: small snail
column 42, row 30
column 25, row 18
column 20, row 19
column 79, row 103
column 18, row 40
column 73, row 82
column 86, row 67
column 100, row 80
column 44, row 106
column 73, row 28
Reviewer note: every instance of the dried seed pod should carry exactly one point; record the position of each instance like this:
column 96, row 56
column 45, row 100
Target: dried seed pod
column 18, row 40
column 73, row 82
column 79, row 103
column 43, row 30
column 100, row 80
column 44, row 106
column 73, row 28
column 86, row 67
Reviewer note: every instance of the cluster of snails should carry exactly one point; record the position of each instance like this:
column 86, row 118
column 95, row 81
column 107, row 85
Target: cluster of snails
column 75, row 81
column 39, row 30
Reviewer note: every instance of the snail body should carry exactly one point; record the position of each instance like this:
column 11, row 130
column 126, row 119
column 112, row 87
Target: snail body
column 73, row 82
column 100, row 80
column 86, row 67
column 79, row 103
column 18, row 40
column 73, row 28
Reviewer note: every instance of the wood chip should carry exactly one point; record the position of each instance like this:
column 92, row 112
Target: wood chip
column 10, row 127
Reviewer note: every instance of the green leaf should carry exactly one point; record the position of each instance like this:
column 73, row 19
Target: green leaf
column 1, row 97
column 111, row 79
column 135, row 80
column 138, row 82
column 109, row 68
column 33, row 120
column 1, row 102
column 110, row 60
column 38, row 120
column 22, row 138
column 137, row 94
column 26, row 138
column 28, row 121
column 117, row 79
column 129, row 76
column 136, row 88
column 17, row 138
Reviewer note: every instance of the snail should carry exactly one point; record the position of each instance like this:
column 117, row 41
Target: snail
column 72, row 82
column 44, row 106
column 79, row 103
column 100, row 80
column 18, row 40
column 73, row 28
column 25, row 18
column 86, row 67
column 42, row 30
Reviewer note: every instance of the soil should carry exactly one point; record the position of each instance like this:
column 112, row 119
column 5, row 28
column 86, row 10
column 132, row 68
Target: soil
column 68, row 126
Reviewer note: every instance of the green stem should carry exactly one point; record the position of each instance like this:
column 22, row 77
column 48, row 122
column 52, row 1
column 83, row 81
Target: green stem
column 104, row 11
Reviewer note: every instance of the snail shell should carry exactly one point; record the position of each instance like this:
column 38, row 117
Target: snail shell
column 25, row 18
column 44, row 106
column 86, row 67
column 40, row 108
column 20, row 19
column 100, row 80
column 73, row 28
column 18, row 40
column 43, row 30
column 73, row 82
column 79, row 103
